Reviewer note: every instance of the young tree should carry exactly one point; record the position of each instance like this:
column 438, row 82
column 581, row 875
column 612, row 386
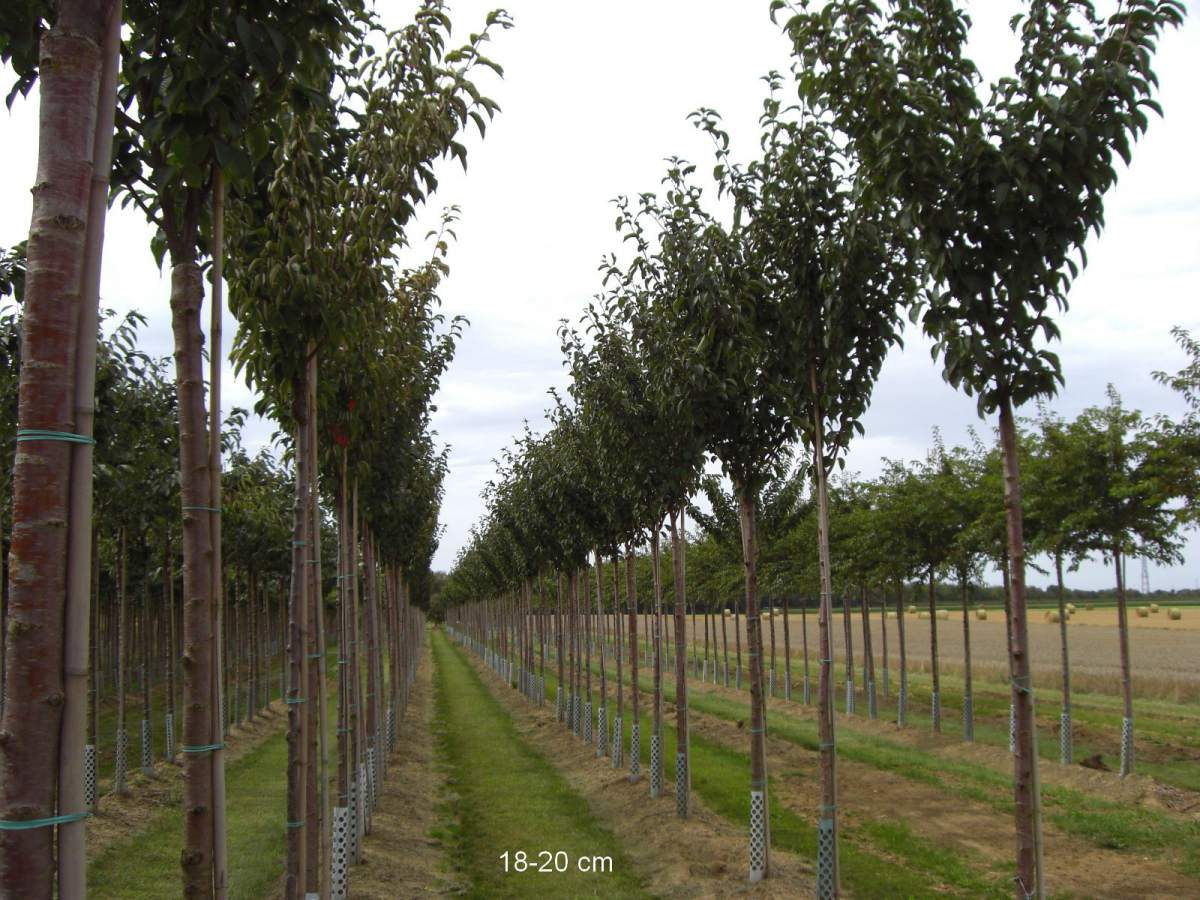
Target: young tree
column 1001, row 190
column 75, row 56
column 1125, row 515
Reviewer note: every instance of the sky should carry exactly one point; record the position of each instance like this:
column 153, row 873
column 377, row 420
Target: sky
column 593, row 100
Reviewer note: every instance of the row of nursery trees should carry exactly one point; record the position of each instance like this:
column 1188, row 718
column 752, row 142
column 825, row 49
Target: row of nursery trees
column 281, row 150
column 741, row 320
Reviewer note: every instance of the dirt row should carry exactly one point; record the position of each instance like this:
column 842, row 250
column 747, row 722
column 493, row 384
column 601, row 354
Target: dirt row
column 403, row 856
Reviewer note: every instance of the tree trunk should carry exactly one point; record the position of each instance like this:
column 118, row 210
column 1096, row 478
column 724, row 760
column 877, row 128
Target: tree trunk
column 968, row 692
column 1065, row 752
column 198, row 590
column 883, row 626
column 297, row 666
column 1025, row 761
column 787, row 651
column 760, row 826
column 71, row 62
column 1127, row 761
column 935, row 712
column 217, row 757
column 868, row 656
column 120, row 762
column 81, row 533
column 724, row 650
column 827, row 831
column 683, row 774
column 635, row 742
column 804, row 641
column 602, row 730
column 656, row 739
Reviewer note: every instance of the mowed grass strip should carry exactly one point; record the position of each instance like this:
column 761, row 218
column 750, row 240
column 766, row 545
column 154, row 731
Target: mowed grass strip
column 146, row 864
column 507, row 797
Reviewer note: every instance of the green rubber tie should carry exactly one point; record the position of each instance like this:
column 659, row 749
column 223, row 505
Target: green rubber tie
column 315, row 655
column 211, row 509
column 343, row 662
column 297, row 699
column 295, row 824
column 42, row 434
column 202, row 748
column 299, row 543
column 26, row 824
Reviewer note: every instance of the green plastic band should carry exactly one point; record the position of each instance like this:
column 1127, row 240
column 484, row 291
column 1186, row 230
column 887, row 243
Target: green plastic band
column 299, row 543
column 343, row 662
column 344, row 730
column 297, row 699
column 42, row 434
column 211, row 509
column 314, row 656
column 295, row 824
column 202, row 748
column 26, row 824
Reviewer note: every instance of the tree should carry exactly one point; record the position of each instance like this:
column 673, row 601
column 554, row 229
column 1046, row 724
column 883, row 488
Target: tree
column 1056, row 494
column 837, row 272
column 1125, row 514
column 46, row 654
column 1001, row 193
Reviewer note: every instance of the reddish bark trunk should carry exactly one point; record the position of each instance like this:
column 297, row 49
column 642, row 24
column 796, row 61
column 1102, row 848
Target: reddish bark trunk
column 70, row 66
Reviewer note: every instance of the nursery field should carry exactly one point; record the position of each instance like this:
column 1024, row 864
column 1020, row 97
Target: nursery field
column 1165, row 653
column 942, row 807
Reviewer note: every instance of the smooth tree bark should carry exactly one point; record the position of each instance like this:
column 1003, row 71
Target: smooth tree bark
column 1026, row 787
column 71, row 62
column 760, row 844
column 936, row 698
column 217, row 756
column 656, row 765
column 1127, row 761
column 635, row 756
column 968, row 690
column 683, row 773
column 297, row 665
column 81, row 532
column 196, row 859
column 1065, row 736
column 827, row 834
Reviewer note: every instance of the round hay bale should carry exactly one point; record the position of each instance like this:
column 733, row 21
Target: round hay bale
column 728, row 614
column 1071, row 608
column 891, row 614
column 981, row 615
column 1052, row 616
column 1153, row 607
column 922, row 615
column 911, row 609
column 1143, row 612
column 1174, row 613
column 943, row 614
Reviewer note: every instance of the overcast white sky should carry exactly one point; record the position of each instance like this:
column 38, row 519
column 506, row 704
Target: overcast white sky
column 594, row 98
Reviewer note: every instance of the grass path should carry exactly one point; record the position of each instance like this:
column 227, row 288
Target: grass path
column 146, row 864
column 507, row 797
column 869, row 850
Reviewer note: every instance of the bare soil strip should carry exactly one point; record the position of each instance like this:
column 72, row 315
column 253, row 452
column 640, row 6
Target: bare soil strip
column 403, row 856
